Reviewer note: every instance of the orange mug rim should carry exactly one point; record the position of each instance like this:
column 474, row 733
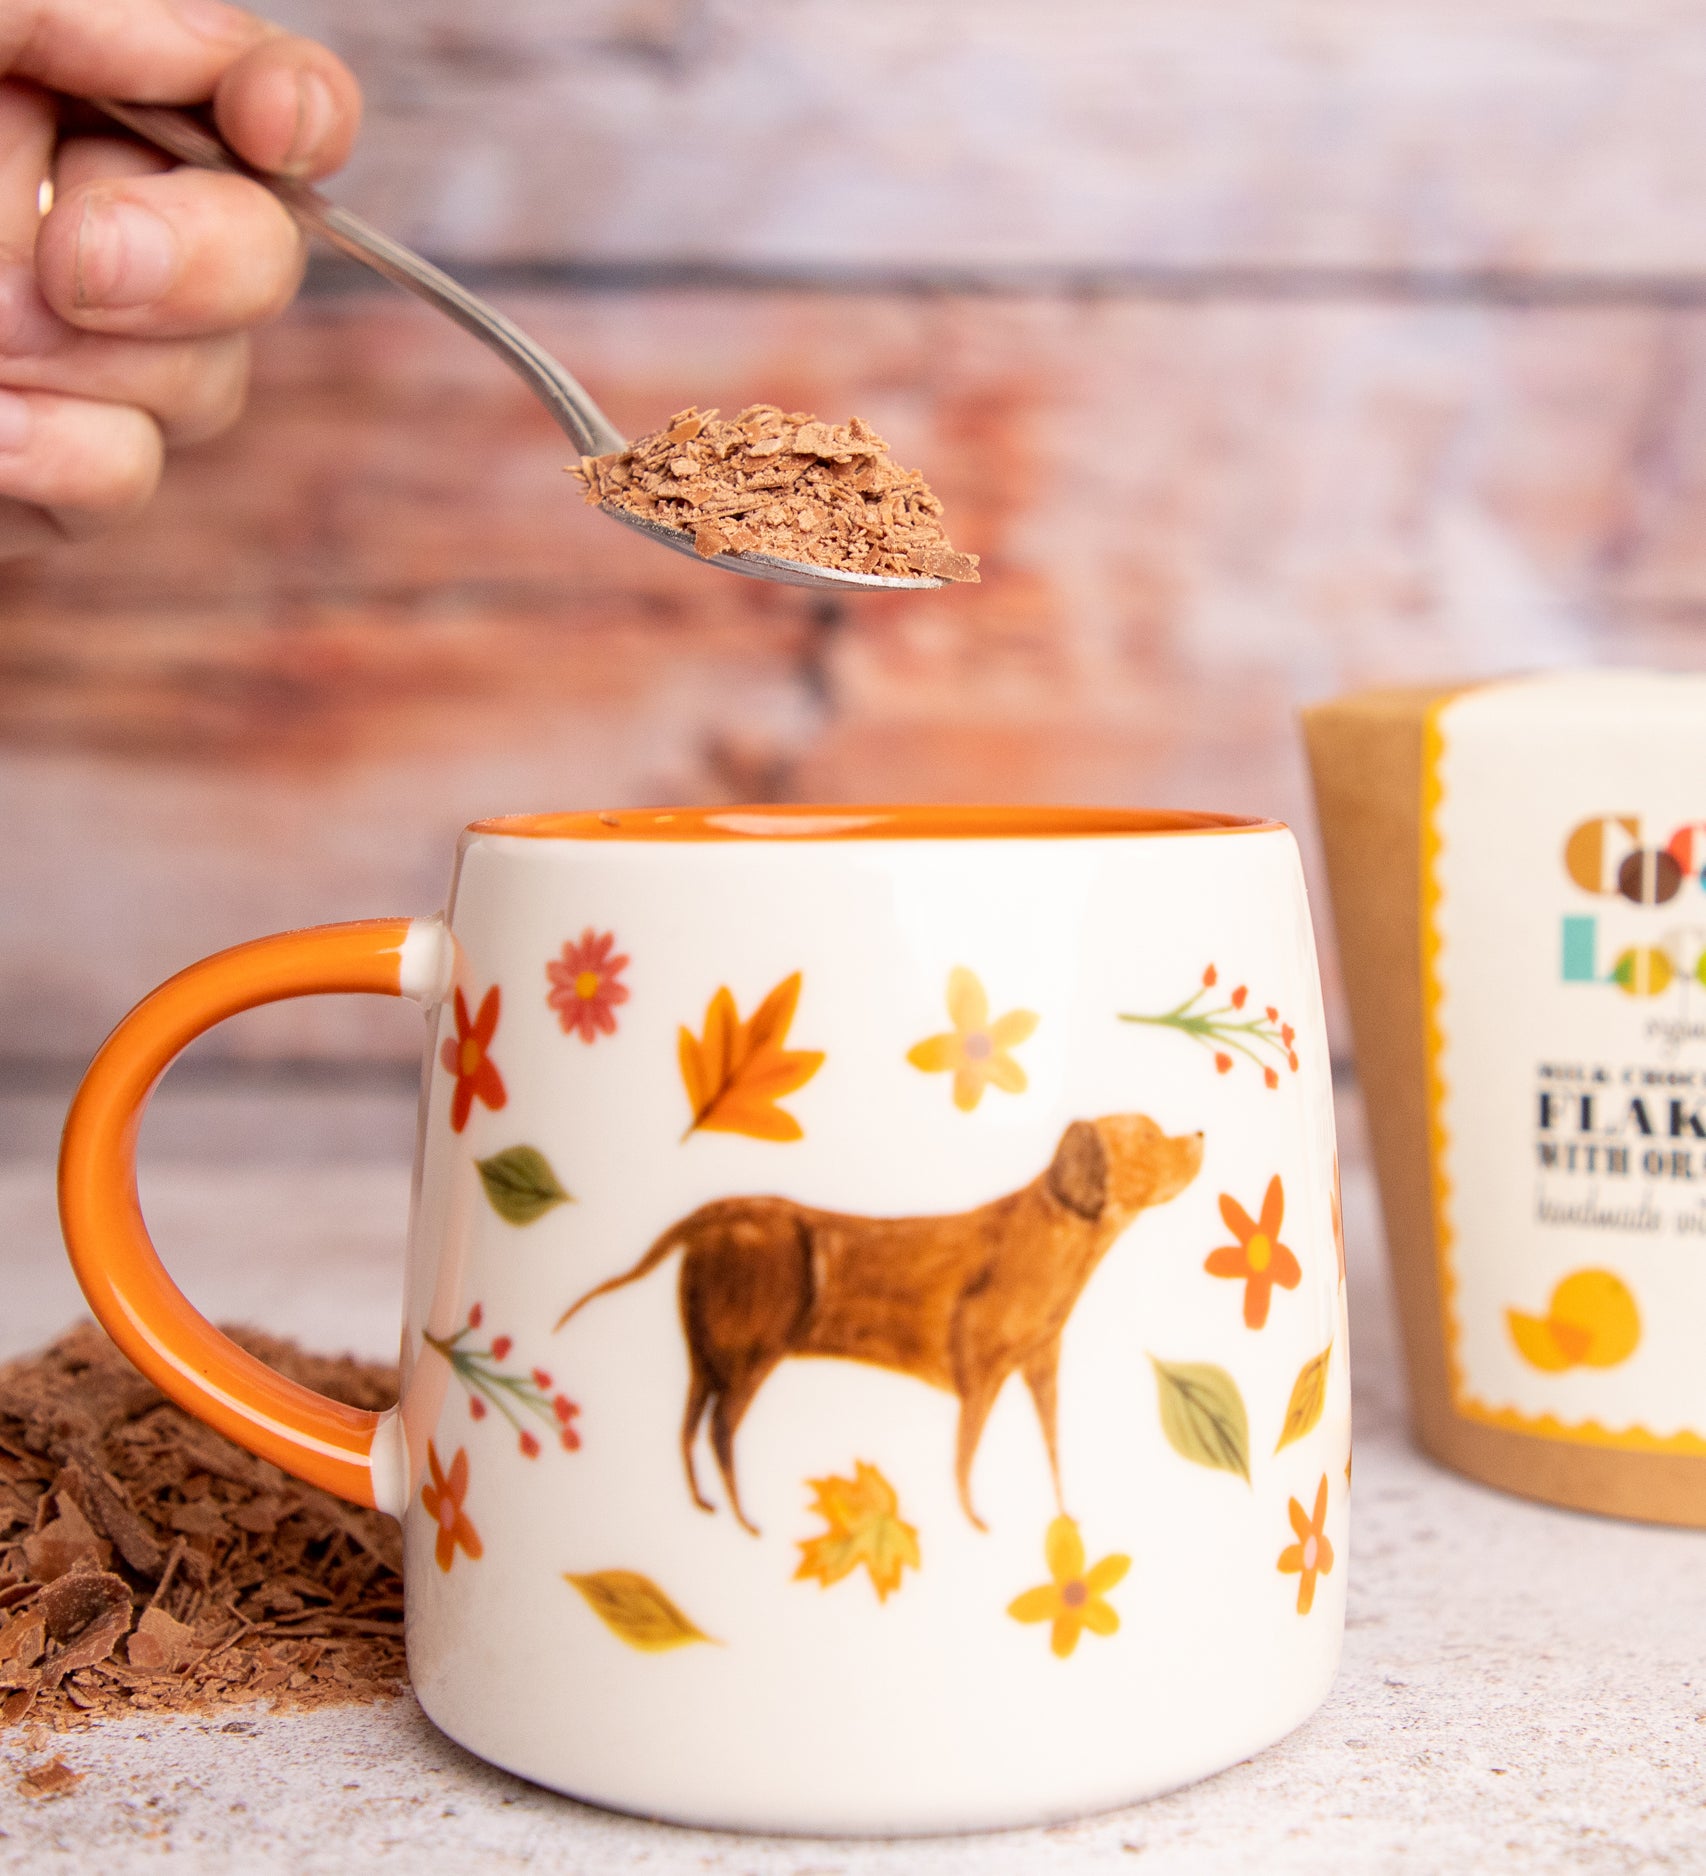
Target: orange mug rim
column 761, row 822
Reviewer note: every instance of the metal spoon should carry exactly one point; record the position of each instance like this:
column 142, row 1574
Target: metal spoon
column 592, row 433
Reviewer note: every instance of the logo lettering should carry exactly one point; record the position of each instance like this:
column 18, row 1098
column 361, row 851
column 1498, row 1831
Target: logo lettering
column 1607, row 856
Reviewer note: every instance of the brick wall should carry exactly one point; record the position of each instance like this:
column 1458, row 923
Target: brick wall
column 1259, row 352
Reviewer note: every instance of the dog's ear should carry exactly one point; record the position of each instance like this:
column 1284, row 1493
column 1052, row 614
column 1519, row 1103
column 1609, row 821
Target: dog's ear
column 1078, row 1176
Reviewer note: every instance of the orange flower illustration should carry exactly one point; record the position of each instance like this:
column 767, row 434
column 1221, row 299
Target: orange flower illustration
column 1258, row 1258
column 464, row 1055
column 443, row 1502
column 976, row 1049
column 1311, row 1556
column 1074, row 1601
column 584, row 988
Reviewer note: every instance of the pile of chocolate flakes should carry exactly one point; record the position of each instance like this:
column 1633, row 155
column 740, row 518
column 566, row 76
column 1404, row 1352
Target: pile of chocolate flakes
column 146, row 1563
column 784, row 484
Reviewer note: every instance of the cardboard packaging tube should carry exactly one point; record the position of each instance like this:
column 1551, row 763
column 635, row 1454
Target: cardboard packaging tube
column 1369, row 759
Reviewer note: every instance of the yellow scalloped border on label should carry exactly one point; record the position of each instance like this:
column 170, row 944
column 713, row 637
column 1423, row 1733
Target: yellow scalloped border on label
column 1536, row 1336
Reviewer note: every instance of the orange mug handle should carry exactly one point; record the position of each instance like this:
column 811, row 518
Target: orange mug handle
column 358, row 1455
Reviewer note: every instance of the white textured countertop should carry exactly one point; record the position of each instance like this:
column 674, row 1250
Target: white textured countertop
column 1522, row 1689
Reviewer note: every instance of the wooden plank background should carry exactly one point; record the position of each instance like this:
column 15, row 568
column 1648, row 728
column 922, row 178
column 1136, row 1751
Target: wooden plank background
column 1261, row 351
column 1091, row 136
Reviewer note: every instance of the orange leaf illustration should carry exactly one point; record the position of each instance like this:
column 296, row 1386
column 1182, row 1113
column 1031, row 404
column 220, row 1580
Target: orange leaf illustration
column 736, row 1073
column 865, row 1527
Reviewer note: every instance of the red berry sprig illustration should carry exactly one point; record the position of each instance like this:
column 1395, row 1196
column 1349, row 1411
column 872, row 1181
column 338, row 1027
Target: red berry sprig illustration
column 1226, row 1030
column 512, row 1393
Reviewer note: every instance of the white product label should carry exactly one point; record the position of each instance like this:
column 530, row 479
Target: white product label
column 1564, row 928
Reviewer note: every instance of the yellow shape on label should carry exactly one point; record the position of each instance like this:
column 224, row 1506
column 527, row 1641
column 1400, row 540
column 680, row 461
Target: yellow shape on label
column 1591, row 1322
column 1535, row 1342
column 1600, row 1303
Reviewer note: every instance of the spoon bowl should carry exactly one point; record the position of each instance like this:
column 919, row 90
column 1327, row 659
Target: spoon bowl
column 765, row 566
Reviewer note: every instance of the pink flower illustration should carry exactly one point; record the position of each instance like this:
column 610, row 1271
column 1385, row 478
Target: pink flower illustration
column 584, row 988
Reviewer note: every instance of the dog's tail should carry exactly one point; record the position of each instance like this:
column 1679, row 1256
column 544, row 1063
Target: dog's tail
column 671, row 1241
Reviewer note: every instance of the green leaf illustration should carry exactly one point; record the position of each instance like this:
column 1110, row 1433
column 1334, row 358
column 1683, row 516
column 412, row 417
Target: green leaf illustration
column 1202, row 1414
column 1308, row 1397
column 520, row 1184
column 633, row 1607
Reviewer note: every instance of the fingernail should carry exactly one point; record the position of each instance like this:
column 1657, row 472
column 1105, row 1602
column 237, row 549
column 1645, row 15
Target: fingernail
column 315, row 111
column 126, row 255
column 212, row 19
column 14, row 421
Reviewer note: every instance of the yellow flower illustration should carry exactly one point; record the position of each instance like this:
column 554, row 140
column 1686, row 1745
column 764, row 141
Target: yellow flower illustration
column 976, row 1049
column 1073, row 1602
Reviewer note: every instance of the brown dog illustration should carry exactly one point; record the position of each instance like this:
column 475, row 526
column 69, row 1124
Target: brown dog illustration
column 960, row 1301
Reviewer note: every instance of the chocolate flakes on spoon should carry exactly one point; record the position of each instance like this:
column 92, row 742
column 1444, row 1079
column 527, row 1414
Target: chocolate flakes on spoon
column 782, row 484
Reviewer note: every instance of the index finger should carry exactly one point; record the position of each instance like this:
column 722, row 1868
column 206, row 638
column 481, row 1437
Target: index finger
column 147, row 51
column 285, row 104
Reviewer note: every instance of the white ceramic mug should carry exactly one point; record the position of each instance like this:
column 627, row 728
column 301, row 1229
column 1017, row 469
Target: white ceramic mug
column 874, row 1353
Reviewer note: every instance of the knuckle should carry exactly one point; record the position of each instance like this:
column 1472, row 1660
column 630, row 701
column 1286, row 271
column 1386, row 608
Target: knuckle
column 210, row 384
column 100, row 460
column 133, row 474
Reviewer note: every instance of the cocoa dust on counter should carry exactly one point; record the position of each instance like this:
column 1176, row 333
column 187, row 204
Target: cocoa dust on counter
column 782, row 483
column 149, row 1565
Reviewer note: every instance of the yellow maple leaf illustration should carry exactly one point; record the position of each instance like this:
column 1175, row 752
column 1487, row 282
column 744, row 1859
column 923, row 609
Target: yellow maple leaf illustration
column 865, row 1527
column 737, row 1072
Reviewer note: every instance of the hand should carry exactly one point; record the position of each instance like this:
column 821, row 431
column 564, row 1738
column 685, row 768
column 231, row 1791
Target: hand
column 124, row 311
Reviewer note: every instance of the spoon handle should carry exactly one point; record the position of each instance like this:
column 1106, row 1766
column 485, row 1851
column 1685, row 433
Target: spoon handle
column 191, row 141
